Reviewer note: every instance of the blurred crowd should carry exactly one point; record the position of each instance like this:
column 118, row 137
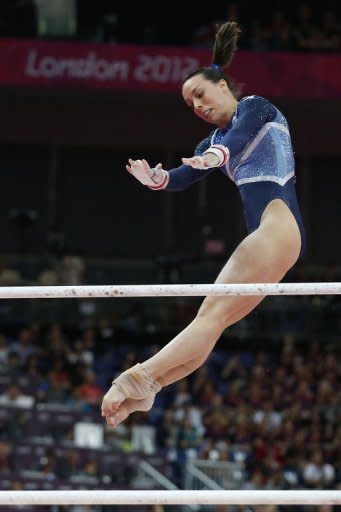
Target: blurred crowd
column 267, row 402
column 274, row 411
column 278, row 414
column 302, row 26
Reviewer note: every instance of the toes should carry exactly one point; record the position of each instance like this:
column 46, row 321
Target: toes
column 130, row 405
column 127, row 407
column 112, row 401
column 111, row 408
column 115, row 419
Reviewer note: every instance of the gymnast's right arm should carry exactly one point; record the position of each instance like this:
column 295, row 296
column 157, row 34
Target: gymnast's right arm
column 176, row 179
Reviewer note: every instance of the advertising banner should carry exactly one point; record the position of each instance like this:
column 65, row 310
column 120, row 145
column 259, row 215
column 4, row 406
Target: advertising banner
column 37, row 63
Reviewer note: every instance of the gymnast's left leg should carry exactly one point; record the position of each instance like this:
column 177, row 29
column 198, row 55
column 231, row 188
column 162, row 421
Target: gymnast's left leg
column 263, row 256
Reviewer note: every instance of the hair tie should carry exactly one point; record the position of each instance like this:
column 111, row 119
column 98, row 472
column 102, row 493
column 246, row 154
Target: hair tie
column 215, row 66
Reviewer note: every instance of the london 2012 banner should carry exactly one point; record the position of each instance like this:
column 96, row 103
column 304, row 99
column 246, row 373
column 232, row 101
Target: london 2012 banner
column 37, row 63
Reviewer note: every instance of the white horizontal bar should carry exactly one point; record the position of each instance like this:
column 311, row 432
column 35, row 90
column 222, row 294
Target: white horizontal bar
column 167, row 290
column 99, row 497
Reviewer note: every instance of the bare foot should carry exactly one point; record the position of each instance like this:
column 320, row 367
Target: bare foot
column 134, row 389
column 127, row 407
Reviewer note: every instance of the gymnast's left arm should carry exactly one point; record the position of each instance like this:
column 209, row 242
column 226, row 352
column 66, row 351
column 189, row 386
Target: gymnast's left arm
column 157, row 178
column 176, row 179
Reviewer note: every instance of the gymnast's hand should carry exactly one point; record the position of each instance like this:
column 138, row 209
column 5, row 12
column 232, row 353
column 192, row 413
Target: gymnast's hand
column 155, row 178
column 216, row 155
column 197, row 162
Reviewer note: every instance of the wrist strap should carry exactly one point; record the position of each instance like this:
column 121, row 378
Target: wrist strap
column 163, row 183
column 221, row 152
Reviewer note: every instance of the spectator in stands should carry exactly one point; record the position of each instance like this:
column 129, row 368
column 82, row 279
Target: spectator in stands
column 4, row 351
column 14, row 397
column 193, row 413
column 281, row 35
column 263, row 29
column 304, row 26
column 317, row 473
column 107, row 28
column 204, row 34
column 69, row 465
column 70, row 269
column 234, row 369
column 52, row 390
column 267, row 416
column 89, row 391
column 189, row 438
column 6, row 460
column 182, row 393
column 47, row 464
column 13, row 363
column 56, row 19
column 167, row 432
column 251, row 144
column 24, row 344
column 331, row 28
column 79, row 354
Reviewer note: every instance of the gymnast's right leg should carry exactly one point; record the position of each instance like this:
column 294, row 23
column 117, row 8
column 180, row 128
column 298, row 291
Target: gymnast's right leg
column 263, row 256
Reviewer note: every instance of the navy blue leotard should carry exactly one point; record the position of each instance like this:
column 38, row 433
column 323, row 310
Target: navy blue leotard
column 261, row 160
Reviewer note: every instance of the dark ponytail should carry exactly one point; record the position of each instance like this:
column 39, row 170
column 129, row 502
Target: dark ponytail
column 225, row 46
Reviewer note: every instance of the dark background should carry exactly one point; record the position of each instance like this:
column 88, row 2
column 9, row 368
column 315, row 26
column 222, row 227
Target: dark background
column 63, row 155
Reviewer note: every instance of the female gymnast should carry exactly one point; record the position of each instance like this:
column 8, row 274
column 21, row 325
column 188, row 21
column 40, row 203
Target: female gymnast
column 251, row 145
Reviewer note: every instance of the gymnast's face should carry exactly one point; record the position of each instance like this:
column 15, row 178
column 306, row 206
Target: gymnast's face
column 212, row 102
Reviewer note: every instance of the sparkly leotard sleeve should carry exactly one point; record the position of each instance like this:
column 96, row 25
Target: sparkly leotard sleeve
column 261, row 160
